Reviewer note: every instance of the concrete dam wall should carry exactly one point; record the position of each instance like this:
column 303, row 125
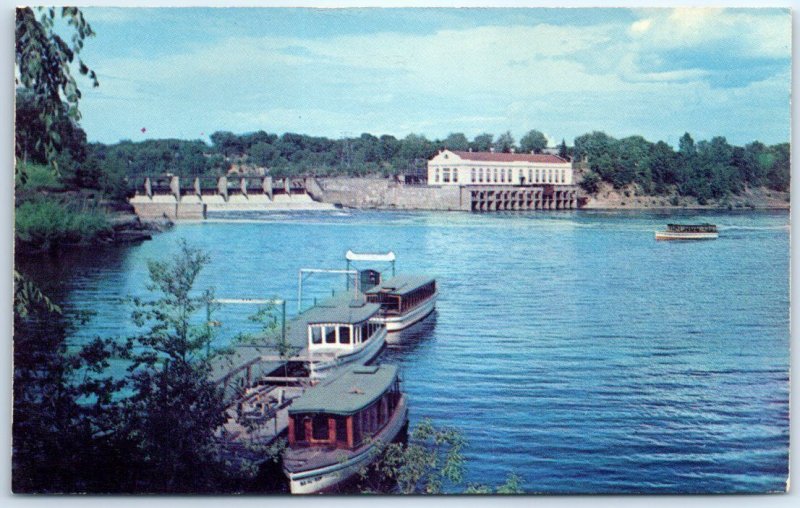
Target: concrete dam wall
column 385, row 193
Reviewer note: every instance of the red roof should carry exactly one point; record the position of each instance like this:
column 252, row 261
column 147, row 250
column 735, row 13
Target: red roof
column 510, row 157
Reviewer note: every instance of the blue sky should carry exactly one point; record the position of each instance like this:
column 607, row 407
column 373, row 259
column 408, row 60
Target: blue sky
column 186, row 73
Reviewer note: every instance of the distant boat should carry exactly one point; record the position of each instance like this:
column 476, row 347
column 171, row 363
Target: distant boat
column 688, row 232
column 335, row 427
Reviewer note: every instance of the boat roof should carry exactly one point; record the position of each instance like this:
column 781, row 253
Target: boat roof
column 345, row 308
column 401, row 284
column 349, row 393
column 370, row 256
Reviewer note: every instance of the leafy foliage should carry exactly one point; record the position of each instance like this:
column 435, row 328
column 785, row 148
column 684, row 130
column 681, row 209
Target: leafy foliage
column 512, row 485
column 534, row 141
column 504, row 142
column 169, row 418
column 43, row 61
column 706, row 170
column 431, row 458
column 45, row 223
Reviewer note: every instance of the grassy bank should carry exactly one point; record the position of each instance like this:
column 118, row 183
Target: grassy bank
column 48, row 216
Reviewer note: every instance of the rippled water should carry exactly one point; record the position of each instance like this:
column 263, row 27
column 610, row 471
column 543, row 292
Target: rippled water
column 569, row 348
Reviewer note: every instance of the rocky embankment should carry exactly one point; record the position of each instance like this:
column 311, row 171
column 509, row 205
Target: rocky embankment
column 609, row 198
column 127, row 227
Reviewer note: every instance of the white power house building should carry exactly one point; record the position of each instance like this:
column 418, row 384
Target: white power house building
column 451, row 167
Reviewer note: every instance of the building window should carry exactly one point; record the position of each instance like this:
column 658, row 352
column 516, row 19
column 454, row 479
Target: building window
column 455, row 175
column 480, row 175
column 530, row 175
column 549, row 176
column 502, row 175
column 316, row 335
column 494, row 174
column 330, row 335
column 472, row 175
column 563, row 176
column 446, row 175
column 436, row 176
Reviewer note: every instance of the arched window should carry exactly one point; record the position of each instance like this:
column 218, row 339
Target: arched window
column 455, row 175
column 472, row 175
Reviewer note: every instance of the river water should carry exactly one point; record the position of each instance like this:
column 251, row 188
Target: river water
column 569, row 348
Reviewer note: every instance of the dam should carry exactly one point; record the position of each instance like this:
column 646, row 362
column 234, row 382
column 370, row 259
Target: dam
column 176, row 198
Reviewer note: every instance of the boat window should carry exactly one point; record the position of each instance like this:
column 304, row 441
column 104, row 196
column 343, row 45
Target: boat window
column 320, row 427
column 341, row 429
column 356, row 429
column 316, row 335
column 364, row 332
column 330, row 335
column 344, row 335
column 300, row 428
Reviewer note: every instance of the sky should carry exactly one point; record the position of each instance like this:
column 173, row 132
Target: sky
column 185, row 73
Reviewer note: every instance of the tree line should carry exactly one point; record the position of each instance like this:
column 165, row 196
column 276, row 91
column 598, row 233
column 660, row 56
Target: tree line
column 706, row 169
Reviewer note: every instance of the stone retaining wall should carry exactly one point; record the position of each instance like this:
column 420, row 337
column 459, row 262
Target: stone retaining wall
column 385, row 193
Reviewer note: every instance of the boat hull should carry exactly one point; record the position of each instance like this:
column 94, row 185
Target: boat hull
column 668, row 235
column 338, row 473
column 403, row 321
column 322, row 369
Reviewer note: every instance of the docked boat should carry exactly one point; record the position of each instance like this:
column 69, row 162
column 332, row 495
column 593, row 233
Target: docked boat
column 404, row 300
column 341, row 332
column 688, row 232
column 335, row 427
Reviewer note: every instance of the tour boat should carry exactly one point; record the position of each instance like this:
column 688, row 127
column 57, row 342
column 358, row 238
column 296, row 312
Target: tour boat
column 336, row 427
column 404, row 300
column 340, row 332
column 688, row 232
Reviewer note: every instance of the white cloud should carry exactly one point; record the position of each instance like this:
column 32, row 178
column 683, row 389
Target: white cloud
column 747, row 32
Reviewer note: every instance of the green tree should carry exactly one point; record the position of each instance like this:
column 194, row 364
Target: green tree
column 563, row 151
column 227, row 143
column 174, row 408
column 43, row 60
column 534, row 141
column 456, row 141
column 483, row 142
column 504, row 143
column 590, row 182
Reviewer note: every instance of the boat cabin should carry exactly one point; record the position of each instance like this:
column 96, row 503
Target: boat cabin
column 338, row 328
column 346, row 411
column 402, row 293
column 692, row 228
